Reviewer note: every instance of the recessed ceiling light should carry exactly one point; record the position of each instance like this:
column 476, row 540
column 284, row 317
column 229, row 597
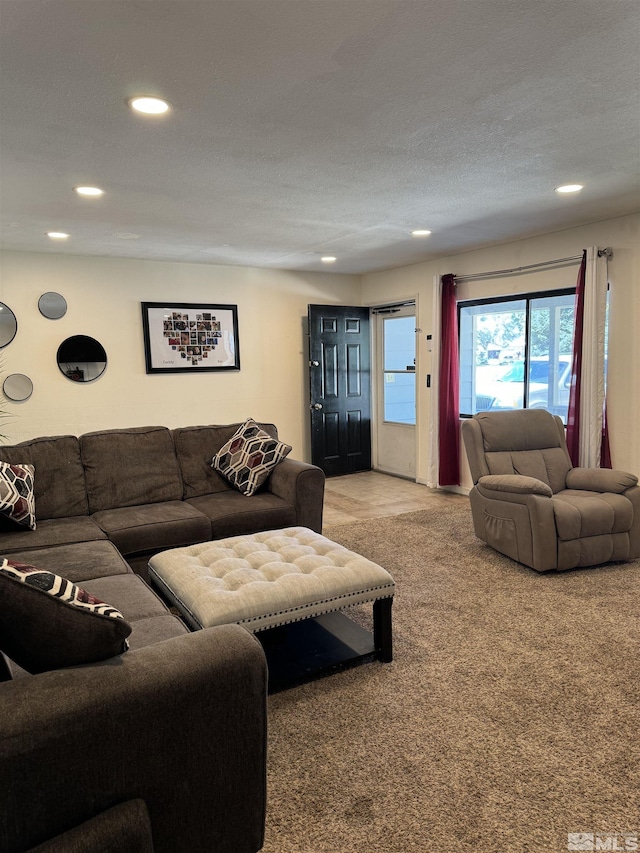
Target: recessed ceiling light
column 328, row 259
column 420, row 232
column 92, row 192
column 569, row 188
column 57, row 235
column 148, row 105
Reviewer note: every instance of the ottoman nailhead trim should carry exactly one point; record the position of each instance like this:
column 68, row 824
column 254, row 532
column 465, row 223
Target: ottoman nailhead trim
column 321, row 603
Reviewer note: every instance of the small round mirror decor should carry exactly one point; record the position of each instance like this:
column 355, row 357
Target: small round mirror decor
column 17, row 387
column 52, row 305
column 8, row 325
column 81, row 358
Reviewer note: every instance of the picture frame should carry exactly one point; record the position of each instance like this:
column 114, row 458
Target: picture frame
column 188, row 337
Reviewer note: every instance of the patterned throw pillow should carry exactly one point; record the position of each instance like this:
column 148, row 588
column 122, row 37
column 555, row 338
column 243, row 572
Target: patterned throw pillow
column 249, row 456
column 47, row 622
column 17, row 500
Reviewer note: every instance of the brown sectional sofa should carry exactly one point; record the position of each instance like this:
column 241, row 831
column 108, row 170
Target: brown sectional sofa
column 171, row 735
column 147, row 489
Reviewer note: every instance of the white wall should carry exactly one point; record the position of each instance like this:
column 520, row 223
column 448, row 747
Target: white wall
column 622, row 234
column 104, row 297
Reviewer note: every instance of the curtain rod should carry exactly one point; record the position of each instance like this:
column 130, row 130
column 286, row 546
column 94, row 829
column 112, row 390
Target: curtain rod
column 573, row 259
column 608, row 253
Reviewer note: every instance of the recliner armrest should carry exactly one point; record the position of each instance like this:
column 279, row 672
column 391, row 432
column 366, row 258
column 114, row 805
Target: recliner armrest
column 516, row 484
column 180, row 725
column 600, row 480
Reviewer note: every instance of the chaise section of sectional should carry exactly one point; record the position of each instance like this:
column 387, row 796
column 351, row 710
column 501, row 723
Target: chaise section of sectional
column 180, row 725
column 100, row 569
column 134, row 492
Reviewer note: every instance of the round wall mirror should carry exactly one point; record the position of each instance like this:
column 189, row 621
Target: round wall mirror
column 8, row 325
column 52, row 305
column 17, row 387
column 81, row 359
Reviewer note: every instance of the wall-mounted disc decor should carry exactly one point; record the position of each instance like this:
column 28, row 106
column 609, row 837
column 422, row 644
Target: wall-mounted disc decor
column 8, row 325
column 52, row 305
column 17, row 387
column 81, row 358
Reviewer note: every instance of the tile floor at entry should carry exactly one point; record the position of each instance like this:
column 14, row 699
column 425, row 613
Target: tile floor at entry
column 371, row 494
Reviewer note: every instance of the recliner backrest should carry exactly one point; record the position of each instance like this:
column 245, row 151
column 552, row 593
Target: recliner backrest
column 530, row 442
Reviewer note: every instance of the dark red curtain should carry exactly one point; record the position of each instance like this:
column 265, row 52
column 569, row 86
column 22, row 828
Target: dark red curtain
column 448, row 388
column 573, row 415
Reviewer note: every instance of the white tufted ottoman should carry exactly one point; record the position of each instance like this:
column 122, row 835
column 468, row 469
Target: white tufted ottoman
column 273, row 578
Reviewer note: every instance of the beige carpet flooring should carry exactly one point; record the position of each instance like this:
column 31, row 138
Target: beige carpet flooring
column 508, row 718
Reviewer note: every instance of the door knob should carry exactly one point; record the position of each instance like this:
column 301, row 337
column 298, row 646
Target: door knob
column 314, row 364
column 316, row 406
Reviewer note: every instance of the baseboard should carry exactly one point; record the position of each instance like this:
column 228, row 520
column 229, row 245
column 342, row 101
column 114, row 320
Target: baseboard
column 458, row 490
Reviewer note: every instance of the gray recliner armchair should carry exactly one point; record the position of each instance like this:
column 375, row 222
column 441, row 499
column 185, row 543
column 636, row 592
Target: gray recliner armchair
column 530, row 503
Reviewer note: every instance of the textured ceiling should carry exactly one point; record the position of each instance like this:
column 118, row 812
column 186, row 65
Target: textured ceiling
column 308, row 127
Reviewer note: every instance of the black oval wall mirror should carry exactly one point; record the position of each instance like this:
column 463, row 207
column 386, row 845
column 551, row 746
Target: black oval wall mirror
column 81, row 359
column 17, row 387
column 8, row 325
column 52, row 305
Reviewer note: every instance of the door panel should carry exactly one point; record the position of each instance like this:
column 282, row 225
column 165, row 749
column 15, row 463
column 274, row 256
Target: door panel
column 340, row 386
column 354, row 388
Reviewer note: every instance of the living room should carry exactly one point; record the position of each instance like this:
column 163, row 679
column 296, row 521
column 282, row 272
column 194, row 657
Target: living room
column 304, row 143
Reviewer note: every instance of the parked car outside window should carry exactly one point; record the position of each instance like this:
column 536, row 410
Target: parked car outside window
column 508, row 389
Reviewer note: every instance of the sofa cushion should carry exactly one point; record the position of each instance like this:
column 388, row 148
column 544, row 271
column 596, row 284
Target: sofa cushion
column 52, row 531
column 128, row 467
column 250, row 455
column 78, row 562
column 155, row 629
column 17, row 500
column 233, row 514
column 154, row 527
column 59, row 477
column 47, row 622
column 195, row 446
column 130, row 594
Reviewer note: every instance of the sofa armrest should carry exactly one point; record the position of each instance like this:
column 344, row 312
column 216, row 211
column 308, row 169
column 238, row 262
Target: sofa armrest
column 302, row 486
column 505, row 486
column 180, row 725
column 600, row 480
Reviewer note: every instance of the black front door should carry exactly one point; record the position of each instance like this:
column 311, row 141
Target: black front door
column 340, row 385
